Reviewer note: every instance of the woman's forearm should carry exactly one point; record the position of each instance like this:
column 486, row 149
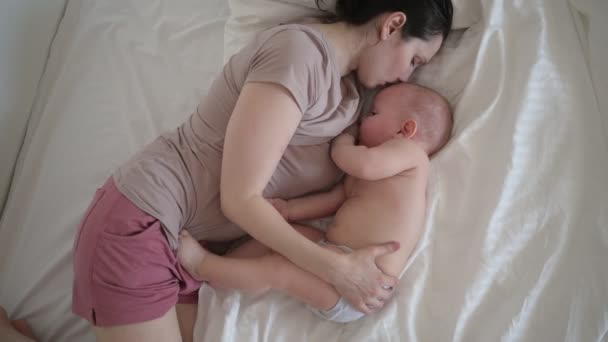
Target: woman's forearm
column 262, row 124
column 259, row 218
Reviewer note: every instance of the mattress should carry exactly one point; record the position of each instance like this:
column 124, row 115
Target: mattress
column 119, row 73
column 24, row 51
column 517, row 228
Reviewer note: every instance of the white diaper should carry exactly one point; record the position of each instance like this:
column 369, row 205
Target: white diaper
column 342, row 312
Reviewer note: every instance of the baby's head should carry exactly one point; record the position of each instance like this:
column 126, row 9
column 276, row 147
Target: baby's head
column 416, row 112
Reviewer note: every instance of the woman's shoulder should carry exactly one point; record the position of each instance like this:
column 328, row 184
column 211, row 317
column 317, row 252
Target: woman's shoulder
column 296, row 41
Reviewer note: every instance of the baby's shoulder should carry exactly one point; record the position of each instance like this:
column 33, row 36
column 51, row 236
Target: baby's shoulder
column 420, row 169
column 419, row 162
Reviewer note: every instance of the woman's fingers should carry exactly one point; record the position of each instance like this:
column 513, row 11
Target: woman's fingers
column 389, row 283
column 362, row 283
column 362, row 306
column 383, row 249
column 384, row 296
column 374, row 305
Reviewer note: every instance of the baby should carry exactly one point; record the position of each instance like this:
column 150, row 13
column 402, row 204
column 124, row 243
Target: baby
column 383, row 198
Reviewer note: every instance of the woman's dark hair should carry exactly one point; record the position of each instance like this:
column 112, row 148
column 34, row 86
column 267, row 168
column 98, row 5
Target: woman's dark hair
column 425, row 18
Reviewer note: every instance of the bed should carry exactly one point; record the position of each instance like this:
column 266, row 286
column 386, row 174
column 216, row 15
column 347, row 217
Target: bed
column 517, row 234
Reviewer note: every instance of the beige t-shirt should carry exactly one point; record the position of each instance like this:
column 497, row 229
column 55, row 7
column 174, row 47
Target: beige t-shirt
column 176, row 177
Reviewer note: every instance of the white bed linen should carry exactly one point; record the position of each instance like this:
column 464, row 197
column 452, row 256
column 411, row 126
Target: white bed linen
column 27, row 28
column 120, row 73
column 517, row 227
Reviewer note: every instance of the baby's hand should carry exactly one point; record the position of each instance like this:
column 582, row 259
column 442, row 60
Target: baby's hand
column 344, row 139
column 280, row 205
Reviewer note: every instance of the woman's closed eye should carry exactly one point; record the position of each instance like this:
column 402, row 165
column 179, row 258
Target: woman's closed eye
column 415, row 62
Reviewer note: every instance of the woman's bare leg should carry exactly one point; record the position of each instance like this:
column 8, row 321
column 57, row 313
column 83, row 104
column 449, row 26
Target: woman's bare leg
column 165, row 328
column 186, row 313
column 23, row 327
column 258, row 274
column 8, row 331
column 186, row 316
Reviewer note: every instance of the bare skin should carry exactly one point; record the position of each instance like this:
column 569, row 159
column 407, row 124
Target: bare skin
column 355, row 275
column 260, row 127
column 165, row 328
column 16, row 330
column 393, row 203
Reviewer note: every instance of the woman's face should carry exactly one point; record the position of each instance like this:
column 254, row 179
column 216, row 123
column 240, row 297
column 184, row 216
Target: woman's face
column 394, row 59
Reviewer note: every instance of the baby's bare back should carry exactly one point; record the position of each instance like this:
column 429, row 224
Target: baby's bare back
column 392, row 209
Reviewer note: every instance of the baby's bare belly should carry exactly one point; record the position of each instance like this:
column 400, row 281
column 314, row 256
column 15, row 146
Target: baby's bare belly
column 368, row 220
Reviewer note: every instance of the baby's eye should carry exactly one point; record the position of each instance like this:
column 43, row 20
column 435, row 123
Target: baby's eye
column 373, row 113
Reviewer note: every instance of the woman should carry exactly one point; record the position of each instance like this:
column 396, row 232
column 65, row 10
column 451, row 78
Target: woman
column 263, row 130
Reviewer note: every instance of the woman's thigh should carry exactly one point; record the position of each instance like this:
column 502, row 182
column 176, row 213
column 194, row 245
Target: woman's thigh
column 186, row 316
column 165, row 328
column 254, row 249
column 125, row 272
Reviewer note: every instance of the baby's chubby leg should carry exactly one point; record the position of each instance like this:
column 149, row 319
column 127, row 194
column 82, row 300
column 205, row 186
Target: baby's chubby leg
column 257, row 274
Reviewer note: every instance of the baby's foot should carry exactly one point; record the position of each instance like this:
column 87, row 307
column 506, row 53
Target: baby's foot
column 191, row 254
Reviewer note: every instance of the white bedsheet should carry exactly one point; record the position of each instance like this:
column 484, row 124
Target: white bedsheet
column 517, row 230
column 23, row 54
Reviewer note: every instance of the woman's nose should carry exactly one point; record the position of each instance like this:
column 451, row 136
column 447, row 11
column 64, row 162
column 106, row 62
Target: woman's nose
column 406, row 75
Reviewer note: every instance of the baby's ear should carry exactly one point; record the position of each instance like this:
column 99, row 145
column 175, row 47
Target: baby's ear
column 409, row 128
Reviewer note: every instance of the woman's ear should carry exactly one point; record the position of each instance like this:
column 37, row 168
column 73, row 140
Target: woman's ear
column 409, row 128
column 392, row 23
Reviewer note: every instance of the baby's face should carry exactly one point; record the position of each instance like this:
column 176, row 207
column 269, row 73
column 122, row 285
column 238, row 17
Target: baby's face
column 423, row 113
column 382, row 123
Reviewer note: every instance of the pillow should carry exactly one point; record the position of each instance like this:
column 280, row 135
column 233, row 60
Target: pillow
column 466, row 12
column 247, row 17
column 250, row 16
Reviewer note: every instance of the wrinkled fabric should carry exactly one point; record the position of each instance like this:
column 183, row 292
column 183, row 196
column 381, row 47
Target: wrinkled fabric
column 516, row 240
column 517, row 228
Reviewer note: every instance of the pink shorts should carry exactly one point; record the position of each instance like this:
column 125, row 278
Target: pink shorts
column 125, row 272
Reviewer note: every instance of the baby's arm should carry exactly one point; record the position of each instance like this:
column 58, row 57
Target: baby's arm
column 374, row 163
column 312, row 206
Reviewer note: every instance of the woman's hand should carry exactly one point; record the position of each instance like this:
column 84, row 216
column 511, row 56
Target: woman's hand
column 361, row 282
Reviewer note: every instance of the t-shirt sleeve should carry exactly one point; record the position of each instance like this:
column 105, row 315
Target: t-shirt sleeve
column 292, row 59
